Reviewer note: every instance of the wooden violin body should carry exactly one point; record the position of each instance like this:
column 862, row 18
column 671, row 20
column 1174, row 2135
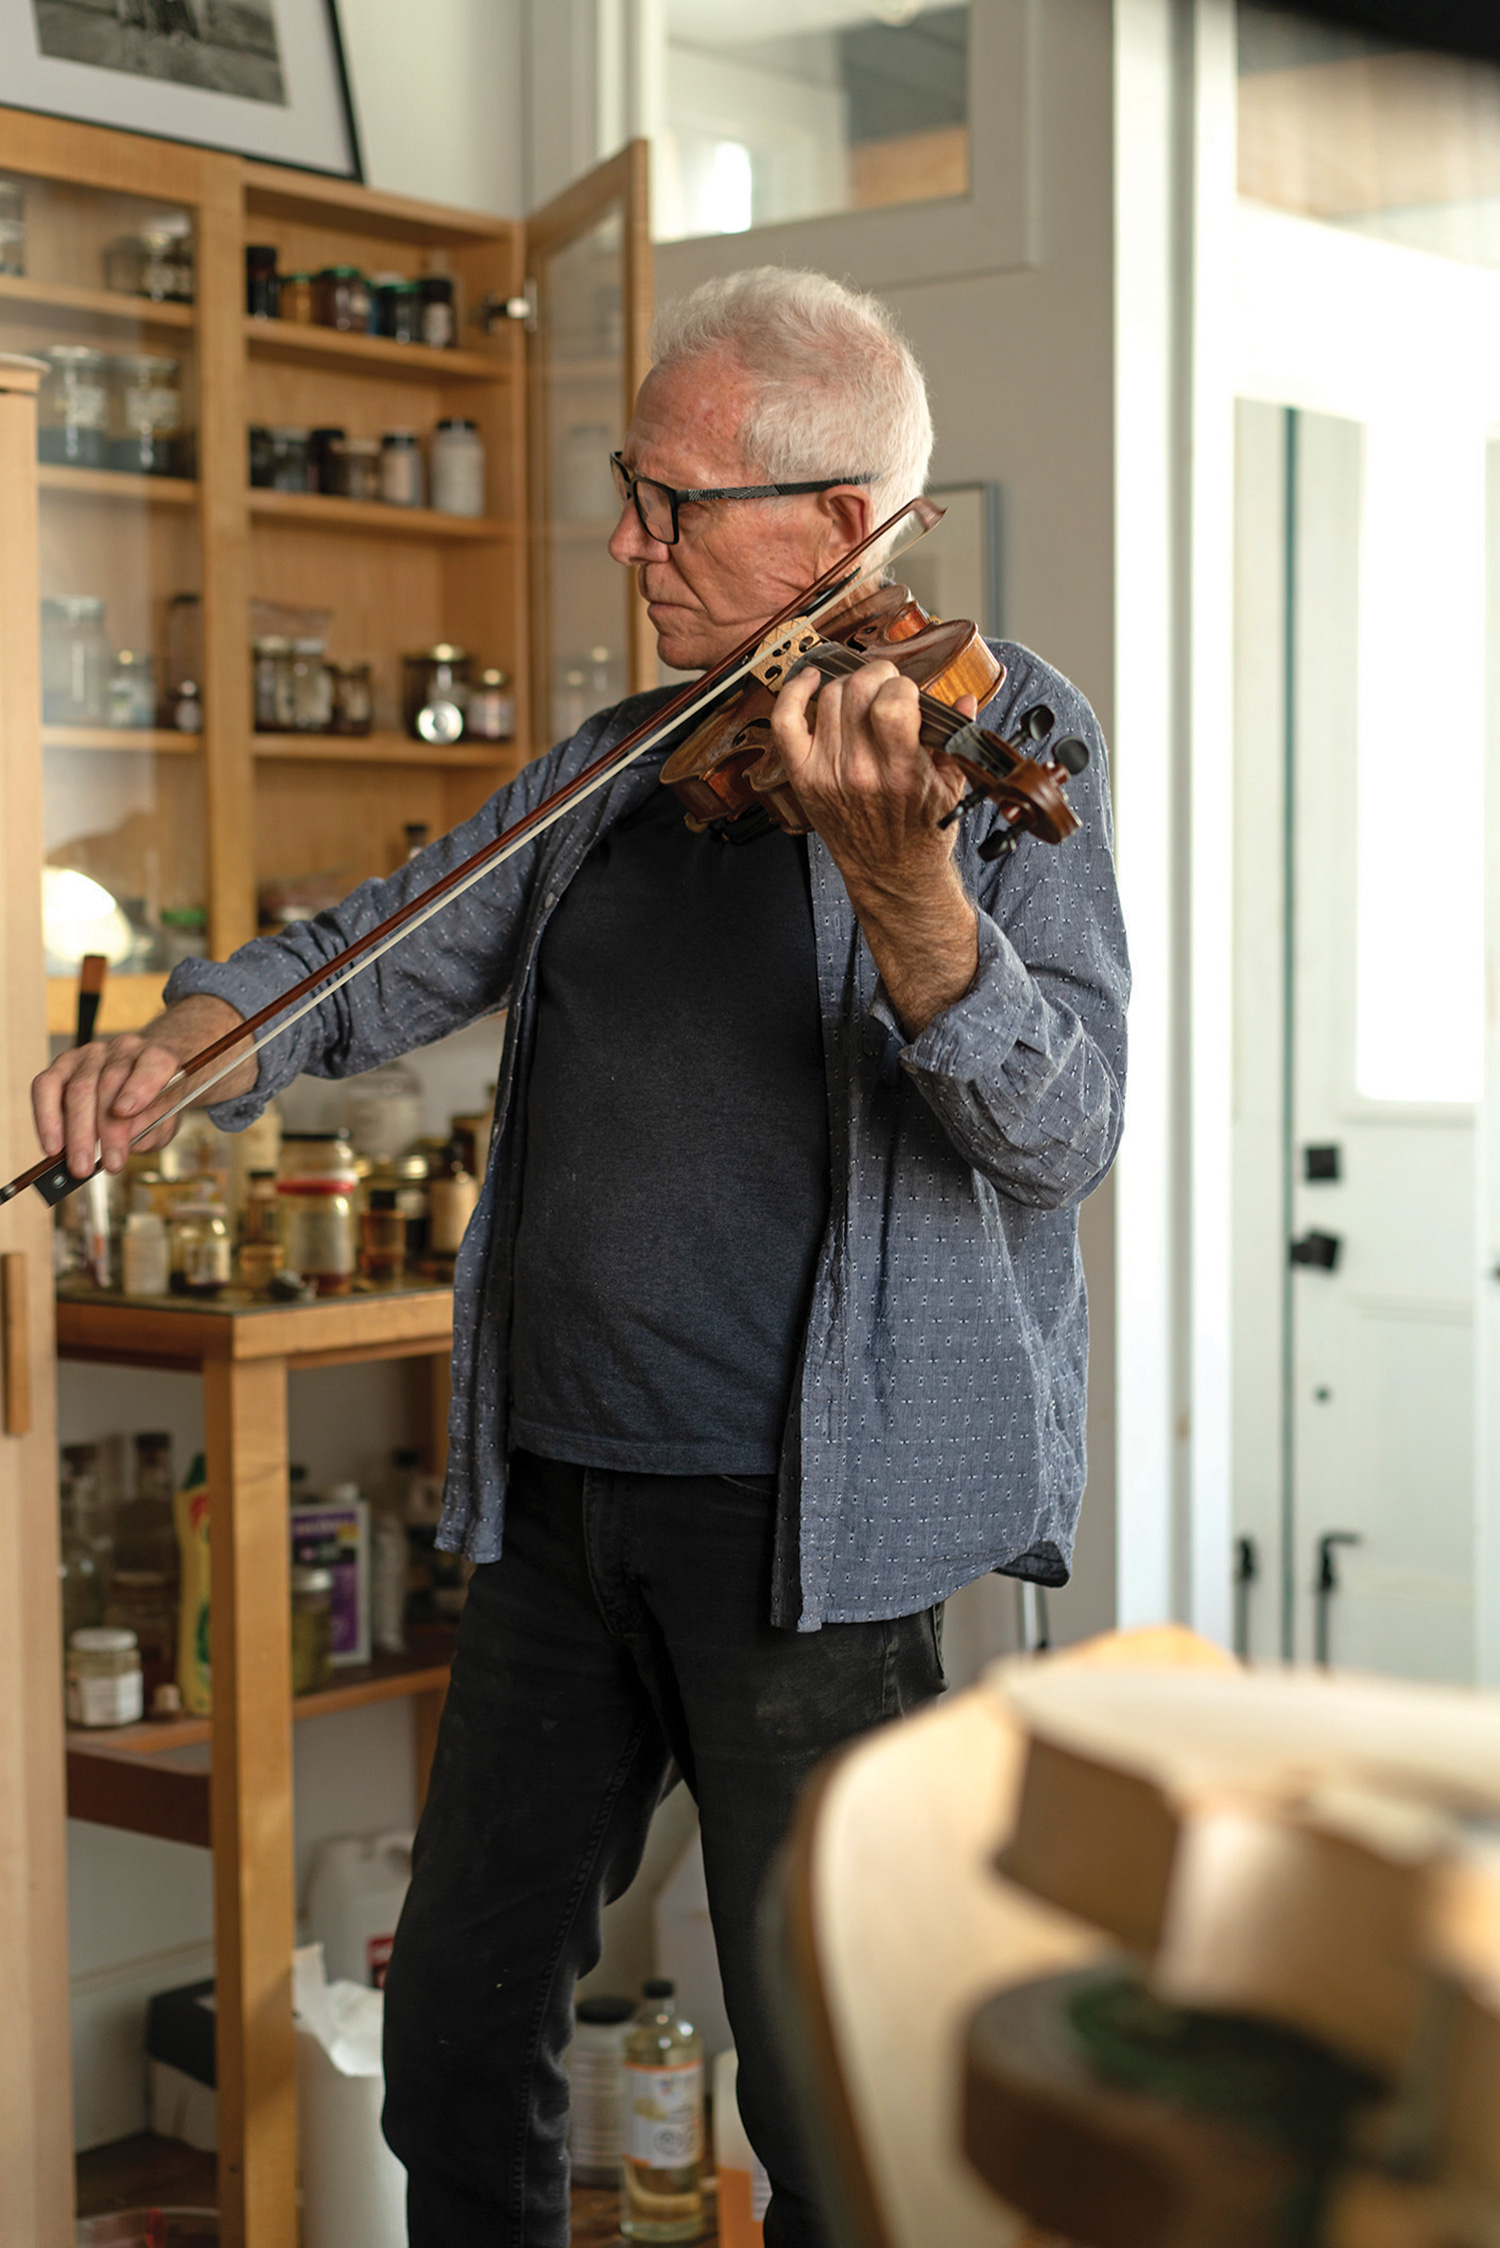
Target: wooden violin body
column 730, row 767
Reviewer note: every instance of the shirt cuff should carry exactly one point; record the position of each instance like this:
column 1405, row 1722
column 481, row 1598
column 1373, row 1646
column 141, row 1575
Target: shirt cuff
column 985, row 1021
column 248, row 985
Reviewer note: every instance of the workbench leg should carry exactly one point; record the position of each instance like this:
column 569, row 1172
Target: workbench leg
column 254, row 1903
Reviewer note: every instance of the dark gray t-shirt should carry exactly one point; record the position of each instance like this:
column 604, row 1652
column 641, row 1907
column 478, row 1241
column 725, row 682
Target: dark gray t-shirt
column 675, row 1182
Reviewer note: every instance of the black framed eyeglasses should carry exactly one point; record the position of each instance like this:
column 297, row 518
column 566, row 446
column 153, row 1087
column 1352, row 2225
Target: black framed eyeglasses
column 657, row 504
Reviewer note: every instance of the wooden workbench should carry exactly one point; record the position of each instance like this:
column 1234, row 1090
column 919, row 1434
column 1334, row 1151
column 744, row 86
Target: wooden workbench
column 242, row 1806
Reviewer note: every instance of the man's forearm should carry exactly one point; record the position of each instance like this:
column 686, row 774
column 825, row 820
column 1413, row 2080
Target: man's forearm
column 190, row 1024
column 924, row 939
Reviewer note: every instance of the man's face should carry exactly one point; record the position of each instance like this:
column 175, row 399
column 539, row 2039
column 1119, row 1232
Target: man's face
column 736, row 562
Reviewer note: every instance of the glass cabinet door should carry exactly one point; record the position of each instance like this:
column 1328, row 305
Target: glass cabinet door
column 588, row 263
column 100, row 287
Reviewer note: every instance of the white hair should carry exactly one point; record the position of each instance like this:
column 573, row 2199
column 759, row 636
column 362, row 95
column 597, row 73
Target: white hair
column 838, row 391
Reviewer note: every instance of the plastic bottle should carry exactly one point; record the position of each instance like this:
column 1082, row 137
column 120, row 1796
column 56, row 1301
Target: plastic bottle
column 661, row 2172
column 596, row 2086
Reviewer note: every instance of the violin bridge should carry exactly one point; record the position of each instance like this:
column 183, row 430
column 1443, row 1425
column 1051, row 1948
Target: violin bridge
column 780, row 652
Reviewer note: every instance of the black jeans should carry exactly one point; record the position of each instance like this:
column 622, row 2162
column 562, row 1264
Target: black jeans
column 624, row 1627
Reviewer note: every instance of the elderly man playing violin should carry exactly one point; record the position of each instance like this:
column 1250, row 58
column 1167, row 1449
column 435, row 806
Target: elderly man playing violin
column 770, row 1328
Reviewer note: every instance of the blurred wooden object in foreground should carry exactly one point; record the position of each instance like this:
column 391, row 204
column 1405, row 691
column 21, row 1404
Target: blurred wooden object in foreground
column 1131, row 1948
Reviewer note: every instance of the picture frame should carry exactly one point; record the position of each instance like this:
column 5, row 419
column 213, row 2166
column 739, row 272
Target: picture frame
column 264, row 79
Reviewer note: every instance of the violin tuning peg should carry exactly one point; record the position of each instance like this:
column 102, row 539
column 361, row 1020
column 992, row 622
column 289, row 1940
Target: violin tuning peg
column 998, row 846
column 1039, row 722
column 964, row 804
column 1071, row 753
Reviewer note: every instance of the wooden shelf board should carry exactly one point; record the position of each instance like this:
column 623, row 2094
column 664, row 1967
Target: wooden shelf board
column 315, row 512
column 92, row 304
column 374, row 355
column 122, row 1777
column 116, row 484
column 273, row 192
column 379, row 749
column 129, row 1001
column 171, row 1331
column 165, row 741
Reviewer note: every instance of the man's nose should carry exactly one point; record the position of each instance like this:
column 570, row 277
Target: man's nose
column 631, row 542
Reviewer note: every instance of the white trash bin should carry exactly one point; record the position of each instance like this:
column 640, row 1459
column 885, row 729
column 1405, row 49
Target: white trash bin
column 353, row 2188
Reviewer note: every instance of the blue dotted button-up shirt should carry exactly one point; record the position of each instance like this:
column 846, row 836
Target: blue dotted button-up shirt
column 937, row 1426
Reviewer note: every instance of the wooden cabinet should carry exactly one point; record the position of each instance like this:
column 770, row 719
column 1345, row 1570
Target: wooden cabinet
column 179, row 830
column 173, row 825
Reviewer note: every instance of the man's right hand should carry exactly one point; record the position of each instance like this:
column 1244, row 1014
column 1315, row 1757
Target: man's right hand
column 94, row 1097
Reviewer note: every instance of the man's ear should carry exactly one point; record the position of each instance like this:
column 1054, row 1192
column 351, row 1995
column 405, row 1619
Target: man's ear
column 850, row 514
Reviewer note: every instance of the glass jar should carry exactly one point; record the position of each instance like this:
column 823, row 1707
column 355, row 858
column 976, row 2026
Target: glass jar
column 145, row 420
column 312, row 693
column 73, row 406
column 132, row 690
column 273, row 683
column 12, row 227
column 317, row 1187
column 260, row 1257
column 76, row 661
column 491, row 712
column 356, row 468
column 289, row 460
column 452, row 1195
column 312, row 1629
column 439, row 314
column 104, row 1685
column 383, row 1111
column 199, row 1249
column 260, row 280
column 382, row 1237
column 435, row 692
column 146, row 1255
column 185, row 710
column 81, row 1575
column 143, row 1602
column 661, row 2182
column 341, row 299
column 457, row 467
column 295, row 299
column 398, row 309
column 157, row 262
column 401, row 469
column 353, row 698
column 321, row 475
column 411, row 1174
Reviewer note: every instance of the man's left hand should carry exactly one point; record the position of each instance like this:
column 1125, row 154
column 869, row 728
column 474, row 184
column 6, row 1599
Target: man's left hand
column 875, row 795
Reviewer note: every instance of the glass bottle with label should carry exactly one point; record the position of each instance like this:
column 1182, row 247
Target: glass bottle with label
column 661, row 2175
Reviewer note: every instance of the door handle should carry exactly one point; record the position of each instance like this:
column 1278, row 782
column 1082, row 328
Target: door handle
column 15, row 1343
column 1326, row 1585
column 1320, row 1249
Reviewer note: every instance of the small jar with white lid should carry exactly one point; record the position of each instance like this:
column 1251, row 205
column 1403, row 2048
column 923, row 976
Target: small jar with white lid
column 104, row 1680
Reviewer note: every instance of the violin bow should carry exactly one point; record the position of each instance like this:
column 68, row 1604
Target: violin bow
column 51, row 1176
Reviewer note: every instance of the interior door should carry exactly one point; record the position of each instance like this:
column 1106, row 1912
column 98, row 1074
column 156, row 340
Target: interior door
column 1369, row 1009
column 588, row 266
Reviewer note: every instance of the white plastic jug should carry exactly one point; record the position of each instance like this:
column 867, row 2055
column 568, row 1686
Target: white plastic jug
column 355, row 1891
column 353, row 2188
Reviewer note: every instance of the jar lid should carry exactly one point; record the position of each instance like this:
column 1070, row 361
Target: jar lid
column 145, row 363
column 413, row 1166
column 395, row 284
column 286, row 277
column 289, row 434
column 608, row 2010
column 457, row 421
column 77, row 608
column 171, row 226
column 312, row 1139
column 442, row 651
column 101, row 1639
column 306, row 1579
column 308, row 647
column 73, row 355
column 342, row 1494
column 340, row 273
column 270, row 644
column 399, row 437
column 327, row 431
column 494, row 678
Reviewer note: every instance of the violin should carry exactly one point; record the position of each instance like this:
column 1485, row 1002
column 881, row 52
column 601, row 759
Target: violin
column 733, row 782
column 1029, row 793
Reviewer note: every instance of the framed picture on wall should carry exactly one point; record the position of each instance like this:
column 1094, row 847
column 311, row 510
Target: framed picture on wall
column 259, row 78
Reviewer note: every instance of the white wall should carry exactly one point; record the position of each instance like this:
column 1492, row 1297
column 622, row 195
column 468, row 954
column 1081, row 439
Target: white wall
column 437, row 94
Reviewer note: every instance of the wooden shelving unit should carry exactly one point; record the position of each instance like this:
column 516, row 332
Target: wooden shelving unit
column 178, row 821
